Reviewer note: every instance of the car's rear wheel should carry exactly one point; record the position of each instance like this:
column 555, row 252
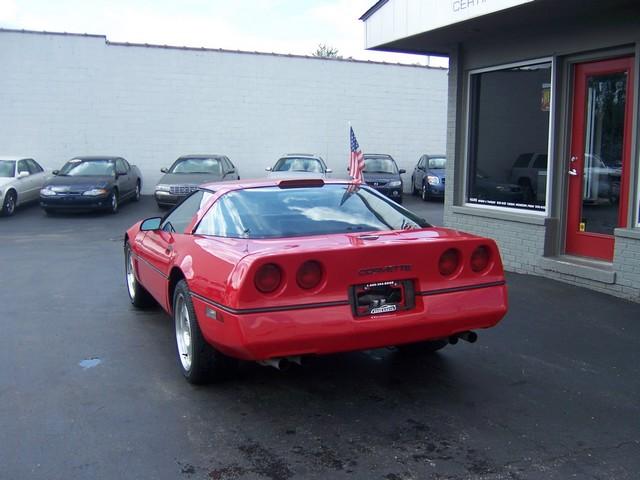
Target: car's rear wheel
column 139, row 296
column 414, row 190
column 429, row 346
column 199, row 361
column 9, row 205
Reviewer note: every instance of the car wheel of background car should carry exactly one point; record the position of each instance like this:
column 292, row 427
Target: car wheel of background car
column 136, row 195
column 9, row 206
column 527, row 190
column 113, row 202
column 427, row 347
column 49, row 211
column 424, row 192
column 200, row 362
column 399, row 200
column 139, row 296
column 414, row 190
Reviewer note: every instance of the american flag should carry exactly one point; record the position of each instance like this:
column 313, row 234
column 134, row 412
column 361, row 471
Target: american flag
column 356, row 159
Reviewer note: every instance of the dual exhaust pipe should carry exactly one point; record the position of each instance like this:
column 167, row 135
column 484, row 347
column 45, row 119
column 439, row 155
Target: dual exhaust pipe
column 467, row 336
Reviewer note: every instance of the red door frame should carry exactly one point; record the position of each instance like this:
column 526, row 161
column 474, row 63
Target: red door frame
column 588, row 244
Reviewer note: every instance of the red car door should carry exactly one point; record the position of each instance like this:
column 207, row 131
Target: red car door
column 158, row 252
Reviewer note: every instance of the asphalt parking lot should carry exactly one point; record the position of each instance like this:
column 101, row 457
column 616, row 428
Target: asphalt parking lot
column 89, row 387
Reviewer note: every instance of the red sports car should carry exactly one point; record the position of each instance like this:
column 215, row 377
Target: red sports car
column 275, row 270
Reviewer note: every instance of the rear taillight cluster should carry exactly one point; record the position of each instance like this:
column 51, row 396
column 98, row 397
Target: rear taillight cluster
column 269, row 277
column 451, row 261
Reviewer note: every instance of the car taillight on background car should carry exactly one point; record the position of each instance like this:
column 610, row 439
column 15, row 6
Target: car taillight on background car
column 268, row 278
column 480, row 259
column 449, row 262
column 309, row 275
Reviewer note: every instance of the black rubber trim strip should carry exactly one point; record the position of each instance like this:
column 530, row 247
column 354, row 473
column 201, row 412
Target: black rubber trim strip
column 151, row 266
column 461, row 289
column 284, row 308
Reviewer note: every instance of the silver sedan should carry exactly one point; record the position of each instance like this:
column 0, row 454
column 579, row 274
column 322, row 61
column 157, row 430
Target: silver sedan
column 21, row 179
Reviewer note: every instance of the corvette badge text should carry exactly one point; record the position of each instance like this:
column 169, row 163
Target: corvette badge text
column 387, row 269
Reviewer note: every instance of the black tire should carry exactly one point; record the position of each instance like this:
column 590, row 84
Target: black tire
column 414, row 190
column 424, row 193
column 49, row 211
column 206, row 364
column 139, row 296
column 426, row 347
column 114, row 202
column 136, row 193
column 9, row 204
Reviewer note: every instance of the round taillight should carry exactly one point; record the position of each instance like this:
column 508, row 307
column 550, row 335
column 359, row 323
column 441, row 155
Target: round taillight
column 309, row 275
column 449, row 262
column 480, row 259
column 268, row 278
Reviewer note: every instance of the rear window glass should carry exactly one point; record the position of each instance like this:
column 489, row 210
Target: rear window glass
column 273, row 212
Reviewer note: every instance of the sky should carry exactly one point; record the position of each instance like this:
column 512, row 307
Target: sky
column 280, row 26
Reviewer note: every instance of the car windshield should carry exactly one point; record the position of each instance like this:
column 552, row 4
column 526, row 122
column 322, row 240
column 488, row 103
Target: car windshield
column 197, row 165
column 439, row 162
column 291, row 164
column 272, row 212
column 7, row 167
column 380, row 165
column 78, row 167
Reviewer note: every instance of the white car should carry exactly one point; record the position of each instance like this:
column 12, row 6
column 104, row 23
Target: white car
column 21, row 179
column 299, row 165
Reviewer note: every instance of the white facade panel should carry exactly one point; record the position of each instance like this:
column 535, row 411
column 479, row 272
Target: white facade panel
column 398, row 19
column 67, row 95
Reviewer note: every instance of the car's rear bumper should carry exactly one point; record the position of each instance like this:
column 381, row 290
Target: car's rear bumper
column 331, row 329
column 75, row 202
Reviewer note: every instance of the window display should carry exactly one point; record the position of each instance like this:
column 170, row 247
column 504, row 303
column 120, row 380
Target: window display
column 509, row 137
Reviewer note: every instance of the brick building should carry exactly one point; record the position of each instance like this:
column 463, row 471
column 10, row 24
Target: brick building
column 542, row 137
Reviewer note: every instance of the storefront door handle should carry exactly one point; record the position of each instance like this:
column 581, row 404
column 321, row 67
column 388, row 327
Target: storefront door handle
column 573, row 172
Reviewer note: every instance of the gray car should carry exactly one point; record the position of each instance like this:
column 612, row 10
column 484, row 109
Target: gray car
column 299, row 165
column 189, row 171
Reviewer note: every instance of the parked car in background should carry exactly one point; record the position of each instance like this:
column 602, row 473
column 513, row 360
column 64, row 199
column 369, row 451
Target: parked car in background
column 91, row 183
column 529, row 171
column 382, row 173
column 486, row 188
column 276, row 270
column 299, row 165
column 428, row 177
column 189, row 171
column 21, row 179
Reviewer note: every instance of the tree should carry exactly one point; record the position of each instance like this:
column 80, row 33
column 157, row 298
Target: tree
column 326, row 51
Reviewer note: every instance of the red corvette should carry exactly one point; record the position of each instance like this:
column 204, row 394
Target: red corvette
column 275, row 270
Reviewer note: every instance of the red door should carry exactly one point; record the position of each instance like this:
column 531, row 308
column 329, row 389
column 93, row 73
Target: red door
column 600, row 156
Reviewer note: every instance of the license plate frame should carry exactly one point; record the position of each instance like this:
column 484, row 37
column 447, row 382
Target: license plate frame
column 374, row 299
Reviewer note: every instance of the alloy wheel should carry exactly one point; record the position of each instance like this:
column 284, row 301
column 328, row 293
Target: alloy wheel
column 183, row 332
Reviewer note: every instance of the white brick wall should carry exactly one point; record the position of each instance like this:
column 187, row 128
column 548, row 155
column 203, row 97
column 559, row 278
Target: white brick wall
column 66, row 95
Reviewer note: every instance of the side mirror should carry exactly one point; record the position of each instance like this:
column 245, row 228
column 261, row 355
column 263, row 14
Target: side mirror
column 402, row 170
column 55, row 172
column 23, row 174
column 164, row 170
column 268, row 169
column 329, row 170
column 149, row 224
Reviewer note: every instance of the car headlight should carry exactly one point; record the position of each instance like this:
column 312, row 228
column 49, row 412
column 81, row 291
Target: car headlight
column 395, row 183
column 94, row 192
column 433, row 180
column 163, row 188
column 47, row 192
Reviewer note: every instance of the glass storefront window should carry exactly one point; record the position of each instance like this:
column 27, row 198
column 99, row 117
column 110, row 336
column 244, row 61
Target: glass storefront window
column 509, row 137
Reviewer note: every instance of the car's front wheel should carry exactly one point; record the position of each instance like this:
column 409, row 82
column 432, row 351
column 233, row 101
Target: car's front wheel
column 113, row 202
column 139, row 296
column 9, row 205
column 199, row 361
column 425, row 192
column 136, row 193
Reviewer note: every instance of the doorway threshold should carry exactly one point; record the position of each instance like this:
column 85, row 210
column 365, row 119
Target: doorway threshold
column 582, row 267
